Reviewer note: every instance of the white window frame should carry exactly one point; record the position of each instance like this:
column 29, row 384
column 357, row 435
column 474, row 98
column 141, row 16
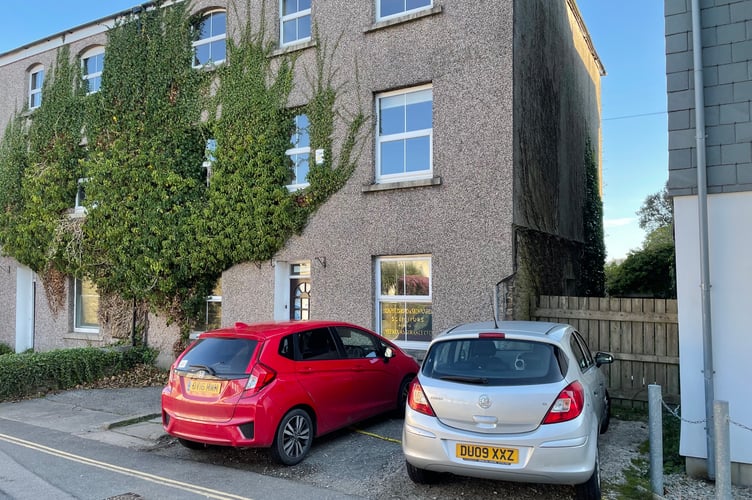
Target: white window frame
column 35, row 91
column 211, row 39
column 294, row 16
column 422, row 299
column 79, row 207
column 423, row 174
column 210, row 156
column 407, row 11
column 93, row 52
column 77, row 326
column 294, row 152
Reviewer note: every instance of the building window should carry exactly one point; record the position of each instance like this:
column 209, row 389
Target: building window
column 209, row 158
column 404, row 135
column 211, row 313
column 86, row 306
column 299, row 153
column 295, row 21
column 210, row 45
column 92, row 63
column 403, row 298
column 392, row 8
column 36, row 79
column 79, row 207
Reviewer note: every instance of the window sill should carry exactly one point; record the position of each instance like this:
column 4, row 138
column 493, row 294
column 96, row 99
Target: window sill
column 436, row 9
column 388, row 186
column 88, row 336
column 287, row 49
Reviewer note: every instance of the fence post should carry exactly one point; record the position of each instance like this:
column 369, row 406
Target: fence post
column 722, row 450
column 655, row 426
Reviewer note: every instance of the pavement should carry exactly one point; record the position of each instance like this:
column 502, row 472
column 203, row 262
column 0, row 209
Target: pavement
column 122, row 417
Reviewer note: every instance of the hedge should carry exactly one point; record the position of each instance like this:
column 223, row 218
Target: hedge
column 26, row 374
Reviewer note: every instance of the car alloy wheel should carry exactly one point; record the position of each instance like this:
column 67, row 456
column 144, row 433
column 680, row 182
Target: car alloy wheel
column 293, row 439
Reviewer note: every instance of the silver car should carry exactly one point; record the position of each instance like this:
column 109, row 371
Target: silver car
column 516, row 401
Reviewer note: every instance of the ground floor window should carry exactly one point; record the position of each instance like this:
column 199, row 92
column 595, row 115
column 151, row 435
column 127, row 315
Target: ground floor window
column 300, row 290
column 211, row 313
column 86, row 306
column 404, row 298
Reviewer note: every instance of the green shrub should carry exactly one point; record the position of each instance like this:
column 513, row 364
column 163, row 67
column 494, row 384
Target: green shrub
column 5, row 349
column 27, row 374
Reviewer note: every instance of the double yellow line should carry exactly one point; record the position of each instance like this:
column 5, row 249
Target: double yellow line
column 191, row 488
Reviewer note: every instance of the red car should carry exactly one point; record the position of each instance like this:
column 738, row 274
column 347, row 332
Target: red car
column 279, row 385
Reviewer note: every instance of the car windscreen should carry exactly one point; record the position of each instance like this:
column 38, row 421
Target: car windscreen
column 497, row 362
column 222, row 357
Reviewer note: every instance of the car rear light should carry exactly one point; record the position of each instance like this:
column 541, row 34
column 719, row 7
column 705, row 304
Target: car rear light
column 417, row 400
column 491, row 335
column 568, row 404
column 261, row 375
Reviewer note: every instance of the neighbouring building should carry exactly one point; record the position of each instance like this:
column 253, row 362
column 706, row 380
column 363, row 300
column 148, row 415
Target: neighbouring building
column 470, row 179
column 726, row 73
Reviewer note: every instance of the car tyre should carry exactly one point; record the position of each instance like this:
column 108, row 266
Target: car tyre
column 606, row 420
column 192, row 445
column 404, row 390
column 420, row 476
column 590, row 489
column 293, row 438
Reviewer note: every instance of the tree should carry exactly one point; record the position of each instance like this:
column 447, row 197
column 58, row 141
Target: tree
column 650, row 271
column 656, row 211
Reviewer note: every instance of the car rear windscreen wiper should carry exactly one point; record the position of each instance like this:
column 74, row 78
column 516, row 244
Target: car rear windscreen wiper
column 467, row 380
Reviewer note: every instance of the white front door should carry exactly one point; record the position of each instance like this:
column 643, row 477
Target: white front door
column 25, row 291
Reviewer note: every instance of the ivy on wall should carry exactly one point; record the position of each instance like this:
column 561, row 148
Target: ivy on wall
column 592, row 276
column 155, row 232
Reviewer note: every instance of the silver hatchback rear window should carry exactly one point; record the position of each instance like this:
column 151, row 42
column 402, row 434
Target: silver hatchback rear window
column 497, row 362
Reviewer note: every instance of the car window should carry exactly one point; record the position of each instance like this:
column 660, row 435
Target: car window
column 585, row 349
column 317, row 344
column 219, row 356
column 287, row 347
column 494, row 362
column 579, row 354
column 359, row 344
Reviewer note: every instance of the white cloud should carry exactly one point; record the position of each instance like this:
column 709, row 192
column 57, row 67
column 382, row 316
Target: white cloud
column 624, row 221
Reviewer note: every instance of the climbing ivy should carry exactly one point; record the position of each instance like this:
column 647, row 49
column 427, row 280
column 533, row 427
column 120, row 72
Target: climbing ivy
column 158, row 229
column 592, row 277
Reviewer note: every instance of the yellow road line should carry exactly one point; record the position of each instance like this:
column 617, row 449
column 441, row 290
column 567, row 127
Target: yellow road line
column 366, row 433
column 191, row 488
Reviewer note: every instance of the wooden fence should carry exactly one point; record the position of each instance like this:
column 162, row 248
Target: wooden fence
column 642, row 334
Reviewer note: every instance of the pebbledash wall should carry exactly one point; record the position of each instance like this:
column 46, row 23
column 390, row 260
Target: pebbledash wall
column 727, row 74
column 500, row 79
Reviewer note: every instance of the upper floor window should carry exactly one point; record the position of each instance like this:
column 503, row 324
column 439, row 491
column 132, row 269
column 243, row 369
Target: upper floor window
column 86, row 306
column 92, row 63
column 295, row 21
column 210, row 45
column 299, row 153
column 36, row 79
column 392, row 8
column 404, row 134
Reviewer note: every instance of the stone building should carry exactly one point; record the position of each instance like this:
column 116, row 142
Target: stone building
column 712, row 209
column 470, row 179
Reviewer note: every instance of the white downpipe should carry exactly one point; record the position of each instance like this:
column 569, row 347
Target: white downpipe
column 702, row 204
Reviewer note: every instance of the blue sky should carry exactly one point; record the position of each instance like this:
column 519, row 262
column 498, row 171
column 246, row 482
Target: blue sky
column 628, row 36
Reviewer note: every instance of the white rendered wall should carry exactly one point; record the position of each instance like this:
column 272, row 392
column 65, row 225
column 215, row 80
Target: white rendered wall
column 730, row 254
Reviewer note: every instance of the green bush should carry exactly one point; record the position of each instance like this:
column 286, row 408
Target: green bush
column 5, row 349
column 27, row 374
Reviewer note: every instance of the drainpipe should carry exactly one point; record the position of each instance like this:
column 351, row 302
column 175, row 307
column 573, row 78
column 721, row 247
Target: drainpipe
column 702, row 202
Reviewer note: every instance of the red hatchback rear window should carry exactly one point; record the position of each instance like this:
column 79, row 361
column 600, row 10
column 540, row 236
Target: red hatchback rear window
column 219, row 356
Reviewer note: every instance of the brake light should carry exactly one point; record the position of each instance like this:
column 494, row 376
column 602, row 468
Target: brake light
column 491, row 335
column 261, row 375
column 568, row 405
column 417, row 400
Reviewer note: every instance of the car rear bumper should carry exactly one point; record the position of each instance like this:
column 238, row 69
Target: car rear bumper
column 548, row 455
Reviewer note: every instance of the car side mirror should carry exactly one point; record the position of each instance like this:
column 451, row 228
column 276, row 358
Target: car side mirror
column 388, row 353
column 603, row 358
